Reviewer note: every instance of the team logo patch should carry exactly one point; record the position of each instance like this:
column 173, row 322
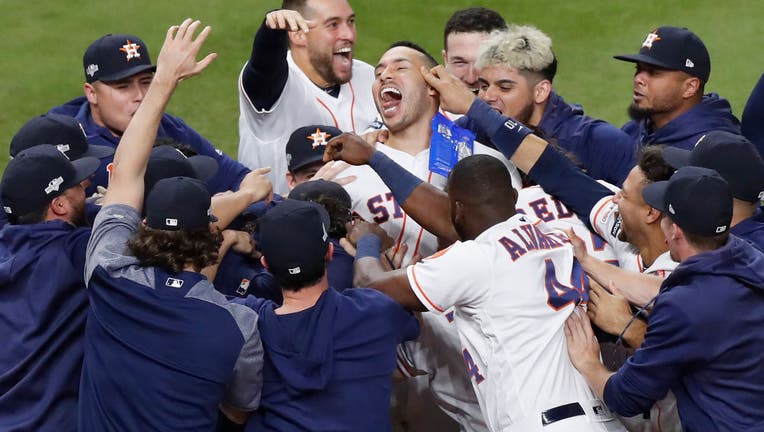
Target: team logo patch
column 616, row 228
column 63, row 148
column 131, row 50
column 325, row 235
column 8, row 210
column 54, row 185
column 319, row 138
column 688, row 63
column 243, row 287
column 650, row 39
column 671, row 209
column 721, row 229
column 91, row 70
column 174, row 283
column 511, row 125
column 294, row 270
column 171, row 222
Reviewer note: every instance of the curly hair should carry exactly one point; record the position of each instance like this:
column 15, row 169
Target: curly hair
column 174, row 250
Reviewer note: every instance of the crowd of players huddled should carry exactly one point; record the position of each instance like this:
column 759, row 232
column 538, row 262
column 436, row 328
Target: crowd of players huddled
column 400, row 246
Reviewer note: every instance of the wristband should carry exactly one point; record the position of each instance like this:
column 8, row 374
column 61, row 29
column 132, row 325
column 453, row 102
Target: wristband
column 401, row 182
column 506, row 133
column 368, row 245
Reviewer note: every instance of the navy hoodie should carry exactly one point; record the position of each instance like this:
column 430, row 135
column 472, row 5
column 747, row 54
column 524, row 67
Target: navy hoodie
column 228, row 177
column 329, row 367
column 753, row 116
column 705, row 342
column 43, row 305
column 713, row 113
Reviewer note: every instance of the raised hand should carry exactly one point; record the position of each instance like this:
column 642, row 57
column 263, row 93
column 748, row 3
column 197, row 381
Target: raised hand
column 177, row 58
column 257, row 184
column 357, row 228
column 455, row 97
column 350, row 148
column 291, row 20
column 330, row 171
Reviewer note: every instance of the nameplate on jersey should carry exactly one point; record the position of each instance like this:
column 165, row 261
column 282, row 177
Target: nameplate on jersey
column 449, row 144
column 174, row 283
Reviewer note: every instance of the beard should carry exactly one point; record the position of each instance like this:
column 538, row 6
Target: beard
column 324, row 65
column 80, row 217
column 638, row 114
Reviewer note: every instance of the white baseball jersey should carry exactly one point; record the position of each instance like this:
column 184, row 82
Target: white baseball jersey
column 373, row 201
column 263, row 134
column 512, row 288
column 437, row 353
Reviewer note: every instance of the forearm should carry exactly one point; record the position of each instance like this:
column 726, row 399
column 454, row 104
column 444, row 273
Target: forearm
column 265, row 75
column 211, row 271
column 638, row 288
column 426, row 204
column 227, row 207
column 635, row 334
column 597, row 375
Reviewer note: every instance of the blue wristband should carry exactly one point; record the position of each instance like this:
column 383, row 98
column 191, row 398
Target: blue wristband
column 506, row 133
column 368, row 245
column 398, row 179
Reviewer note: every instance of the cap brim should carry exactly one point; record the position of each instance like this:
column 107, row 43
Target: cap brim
column 205, row 167
column 654, row 195
column 306, row 162
column 85, row 167
column 98, row 151
column 677, row 157
column 127, row 73
column 641, row 58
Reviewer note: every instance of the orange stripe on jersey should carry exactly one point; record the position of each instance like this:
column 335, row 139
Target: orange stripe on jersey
column 400, row 236
column 352, row 105
column 337, row 125
column 421, row 229
column 597, row 214
column 416, row 283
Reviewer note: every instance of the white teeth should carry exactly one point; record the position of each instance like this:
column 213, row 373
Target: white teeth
column 345, row 50
column 390, row 90
column 388, row 110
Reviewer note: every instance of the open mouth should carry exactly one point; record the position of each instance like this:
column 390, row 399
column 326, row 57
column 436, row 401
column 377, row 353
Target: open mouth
column 390, row 98
column 344, row 55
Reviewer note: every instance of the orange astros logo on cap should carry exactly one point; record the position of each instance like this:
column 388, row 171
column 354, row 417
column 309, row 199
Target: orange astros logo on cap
column 651, row 37
column 318, row 137
column 131, row 50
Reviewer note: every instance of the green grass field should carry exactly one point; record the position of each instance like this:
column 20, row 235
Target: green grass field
column 43, row 41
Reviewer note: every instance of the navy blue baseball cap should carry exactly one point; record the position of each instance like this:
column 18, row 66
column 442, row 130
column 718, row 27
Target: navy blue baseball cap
column 113, row 57
column 179, row 203
column 37, row 175
column 167, row 161
column 293, row 237
column 734, row 157
column 697, row 199
column 674, row 48
column 64, row 132
column 306, row 145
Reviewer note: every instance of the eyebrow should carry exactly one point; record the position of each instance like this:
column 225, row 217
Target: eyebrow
column 397, row 60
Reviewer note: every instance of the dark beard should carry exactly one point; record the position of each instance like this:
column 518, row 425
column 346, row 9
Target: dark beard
column 80, row 219
column 638, row 114
column 324, row 68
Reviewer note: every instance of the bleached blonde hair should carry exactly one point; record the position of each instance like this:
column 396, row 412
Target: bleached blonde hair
column 522, row 47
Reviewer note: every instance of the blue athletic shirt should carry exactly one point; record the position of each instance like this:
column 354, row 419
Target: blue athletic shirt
column 161, row 350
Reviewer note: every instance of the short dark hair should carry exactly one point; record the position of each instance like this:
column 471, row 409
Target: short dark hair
column 473, row 20
column 297, row 5
column 288, row 284
column 32, row 217
column 173, row 250
column 184, row 148
column 706, row 242
column 480, row 180
column 430, row 60
column 652, row 164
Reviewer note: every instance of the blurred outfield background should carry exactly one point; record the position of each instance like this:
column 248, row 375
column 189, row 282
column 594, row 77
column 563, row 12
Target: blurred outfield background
column 43, row 41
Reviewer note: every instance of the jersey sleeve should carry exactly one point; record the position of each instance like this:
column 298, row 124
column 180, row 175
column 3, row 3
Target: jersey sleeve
column 265, row 74
column 113, row 227
column 244, row 388
column 457, row 276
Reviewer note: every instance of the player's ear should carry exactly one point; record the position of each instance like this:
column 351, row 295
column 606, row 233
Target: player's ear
column 691, row 87
column 57, row 207
column 445, row 57
column 297, row 38
column 291, row 182
column 90, row 93
column 264, row 262
column 329, row 252
column 653, row 216
column 541, row 91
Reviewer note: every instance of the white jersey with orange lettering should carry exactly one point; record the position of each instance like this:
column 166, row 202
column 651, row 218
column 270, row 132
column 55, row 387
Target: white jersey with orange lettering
column 437, row 353
column 512, row 288
column 373, row 201
column 534, row 201
column 263, row 134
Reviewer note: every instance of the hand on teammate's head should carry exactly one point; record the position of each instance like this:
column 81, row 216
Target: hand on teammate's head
column 455, row 96
column 329, row 172
column 290, row 20
column 177, row 58
column 257, row 184
column 350, row 148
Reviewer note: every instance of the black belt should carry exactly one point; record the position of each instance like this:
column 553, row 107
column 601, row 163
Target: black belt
column 561, row 413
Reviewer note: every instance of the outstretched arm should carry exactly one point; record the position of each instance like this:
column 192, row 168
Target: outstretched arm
column 266, row 73
column 176, row 61
column 426, row 204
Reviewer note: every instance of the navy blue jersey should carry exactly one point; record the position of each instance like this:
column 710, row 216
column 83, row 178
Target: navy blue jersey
column 43, row 305
column 239, row 276
column 329, row 367
column 229, row 173
column 752, row 122
column 713, row 113
column 161, row 350
column 704, row 342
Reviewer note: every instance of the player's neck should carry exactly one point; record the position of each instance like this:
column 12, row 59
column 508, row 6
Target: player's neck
column 305, row 298
column 652, row 246
column 413, row 139
column 741, row 211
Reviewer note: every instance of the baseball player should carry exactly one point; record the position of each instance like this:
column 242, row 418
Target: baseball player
column 406, row 107
column 301, row 71
column 118, row 71
column 153, row 313
column 513, row 345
